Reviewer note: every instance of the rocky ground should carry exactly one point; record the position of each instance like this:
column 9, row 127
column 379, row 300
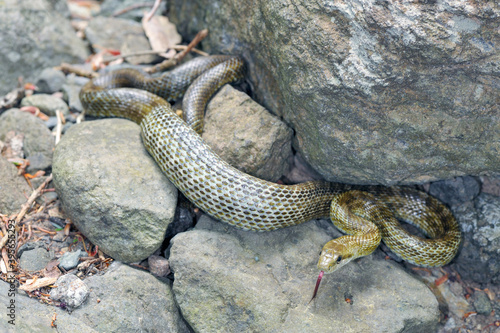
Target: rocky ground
column 114, row 248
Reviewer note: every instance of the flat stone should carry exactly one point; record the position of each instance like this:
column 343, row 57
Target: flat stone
column 35, row 259
column 48, row 104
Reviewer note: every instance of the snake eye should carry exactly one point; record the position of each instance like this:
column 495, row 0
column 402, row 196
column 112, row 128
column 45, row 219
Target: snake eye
column 339, row 259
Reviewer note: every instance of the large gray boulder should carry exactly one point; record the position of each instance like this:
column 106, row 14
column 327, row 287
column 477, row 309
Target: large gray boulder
column 240, row 281
column 377, row 92
column 35, row 35
column 112, row 190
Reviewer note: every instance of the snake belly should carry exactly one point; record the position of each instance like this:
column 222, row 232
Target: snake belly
column 237, row 198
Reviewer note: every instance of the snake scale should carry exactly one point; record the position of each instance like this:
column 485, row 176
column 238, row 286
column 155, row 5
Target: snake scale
column 366, row 213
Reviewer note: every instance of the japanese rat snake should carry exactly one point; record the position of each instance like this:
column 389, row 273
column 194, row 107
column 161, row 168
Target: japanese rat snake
column 234, row 197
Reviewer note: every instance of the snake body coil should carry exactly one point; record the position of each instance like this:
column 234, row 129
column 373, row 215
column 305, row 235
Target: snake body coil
column 254, row 204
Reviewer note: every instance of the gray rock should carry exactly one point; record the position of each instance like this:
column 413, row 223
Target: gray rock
column 246, row 135
column 35, row 36
column 38, row 140
column 376, row 92
column 479, row 258
column 13, row 188
column 66, row 127
column 125, row 299
column 33, row 316
column 482, row 303
column 158, row 266
column 491, row 185
column 262, row 282
column 35, row 259
column 48, row 104
column 70, row 260
column 51, row 122
column 112, row 190
column 455, row 191
column 50, row 80
column 131, row 300
column 120, row 34
column 71, row 91
column 70, row 290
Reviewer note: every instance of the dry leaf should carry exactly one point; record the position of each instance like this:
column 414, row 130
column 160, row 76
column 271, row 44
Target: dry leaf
column 490, row 293
column 51, row 270
column 33, row 284
column 162, row 34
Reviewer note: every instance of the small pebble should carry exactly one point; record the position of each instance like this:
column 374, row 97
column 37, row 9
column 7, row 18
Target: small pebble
column 70, row 260
column 50, row 80
column 70, row 290
column 482, row 302
column 158, row 266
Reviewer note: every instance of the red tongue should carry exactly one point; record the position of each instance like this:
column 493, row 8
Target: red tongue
column 317, row 285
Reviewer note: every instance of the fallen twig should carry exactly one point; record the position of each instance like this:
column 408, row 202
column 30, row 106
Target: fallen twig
column 25, row 208
column 44, row 230
column 195, row 50
column 149, row 52
column 178, row 58
column 67, row 68
column 31, row 199
column 129, row 8
column 149, row 15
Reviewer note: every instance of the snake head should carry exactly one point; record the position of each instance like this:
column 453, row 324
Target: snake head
column 334, row 255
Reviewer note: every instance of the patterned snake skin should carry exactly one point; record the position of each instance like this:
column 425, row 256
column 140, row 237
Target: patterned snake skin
column 250, row 203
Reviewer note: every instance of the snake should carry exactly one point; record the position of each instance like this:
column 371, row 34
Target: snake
column 366, row 214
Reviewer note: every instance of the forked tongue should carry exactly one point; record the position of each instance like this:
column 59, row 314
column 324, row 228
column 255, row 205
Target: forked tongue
column 317, row 285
